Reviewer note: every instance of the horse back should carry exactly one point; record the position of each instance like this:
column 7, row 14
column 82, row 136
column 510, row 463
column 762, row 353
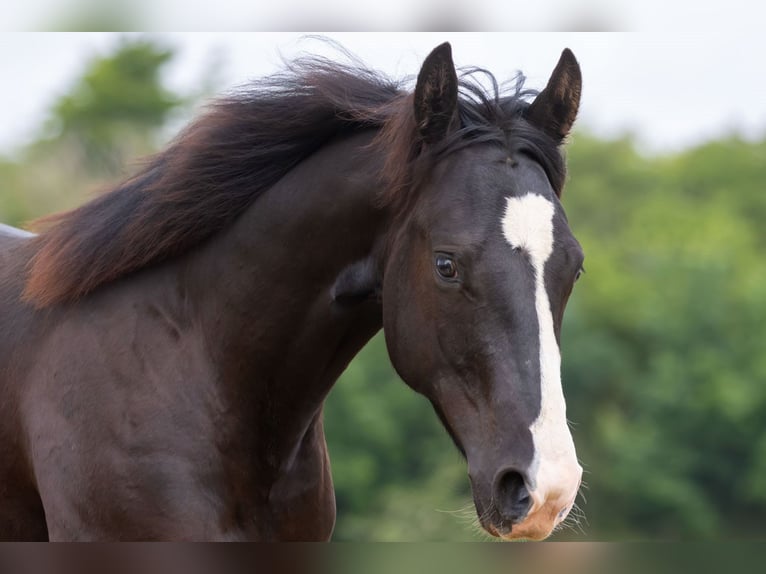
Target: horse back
column 16, row 316
column 21, row 513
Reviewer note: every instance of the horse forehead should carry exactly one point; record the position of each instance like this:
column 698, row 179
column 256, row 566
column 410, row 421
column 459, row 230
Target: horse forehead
column 528, row 224
column 482, row 183
column 485, row 180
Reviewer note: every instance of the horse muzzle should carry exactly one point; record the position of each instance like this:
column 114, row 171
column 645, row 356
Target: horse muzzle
column 518, row 512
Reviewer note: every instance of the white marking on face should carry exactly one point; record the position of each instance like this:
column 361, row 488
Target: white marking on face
column 528, row 226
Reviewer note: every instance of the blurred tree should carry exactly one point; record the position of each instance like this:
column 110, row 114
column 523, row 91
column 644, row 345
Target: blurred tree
column 114, row 110
column 113, row 115
column 663, row 359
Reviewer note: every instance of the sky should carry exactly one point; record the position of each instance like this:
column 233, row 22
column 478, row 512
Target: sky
column 670, row 89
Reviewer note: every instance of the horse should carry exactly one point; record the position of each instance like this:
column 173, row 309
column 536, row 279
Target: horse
column 167, row 347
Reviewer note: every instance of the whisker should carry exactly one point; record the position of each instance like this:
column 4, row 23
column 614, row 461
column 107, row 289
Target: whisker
column 467, row 515
column 468, row 508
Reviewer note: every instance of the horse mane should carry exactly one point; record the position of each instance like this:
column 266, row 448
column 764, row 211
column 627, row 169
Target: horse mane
column 241, row 146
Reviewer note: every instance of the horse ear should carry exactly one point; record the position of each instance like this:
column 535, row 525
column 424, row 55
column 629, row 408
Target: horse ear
column 555, row 108
column 436, row 95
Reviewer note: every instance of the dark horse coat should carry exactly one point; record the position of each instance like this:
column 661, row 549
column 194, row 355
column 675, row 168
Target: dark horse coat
column 166, row 349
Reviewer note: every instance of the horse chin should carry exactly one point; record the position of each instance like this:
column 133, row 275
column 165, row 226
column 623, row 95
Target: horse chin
column 533, row 534
column 519, row 532
column 536, row 527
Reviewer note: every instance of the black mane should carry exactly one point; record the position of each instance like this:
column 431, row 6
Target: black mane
column 244, row 143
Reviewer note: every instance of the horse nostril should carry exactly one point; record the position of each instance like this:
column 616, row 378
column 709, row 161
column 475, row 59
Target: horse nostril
column 512, row 499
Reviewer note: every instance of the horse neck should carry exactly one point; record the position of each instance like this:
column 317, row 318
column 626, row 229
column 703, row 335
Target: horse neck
column 263, row 289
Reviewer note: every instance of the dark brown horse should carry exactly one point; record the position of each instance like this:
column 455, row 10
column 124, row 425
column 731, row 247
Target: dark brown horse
column 166, row 349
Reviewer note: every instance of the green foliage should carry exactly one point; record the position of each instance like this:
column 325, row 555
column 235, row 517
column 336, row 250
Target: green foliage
column 120, row 98
column 112, row 116
column 663, row 361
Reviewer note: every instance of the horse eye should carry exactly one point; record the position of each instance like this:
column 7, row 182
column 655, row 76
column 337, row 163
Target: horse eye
column 446, row 267
column 580, row 271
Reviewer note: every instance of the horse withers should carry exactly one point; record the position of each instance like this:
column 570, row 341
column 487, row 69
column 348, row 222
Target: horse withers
column 166, row 348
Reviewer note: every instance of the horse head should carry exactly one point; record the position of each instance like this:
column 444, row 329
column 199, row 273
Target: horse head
column 476, row 280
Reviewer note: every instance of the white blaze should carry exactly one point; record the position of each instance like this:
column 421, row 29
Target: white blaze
column 528, row 226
